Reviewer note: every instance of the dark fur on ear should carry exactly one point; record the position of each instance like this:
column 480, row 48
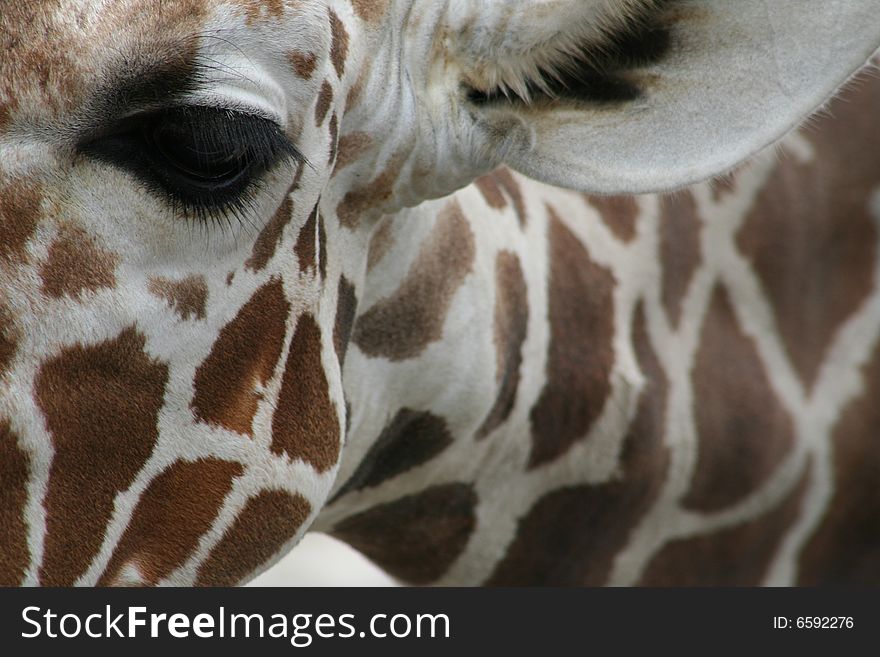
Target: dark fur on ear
column 595, row 75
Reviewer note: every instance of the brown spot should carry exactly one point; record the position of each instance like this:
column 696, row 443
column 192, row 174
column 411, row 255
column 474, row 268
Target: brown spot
column 14, row 472
column 357, row 89
column 334, row 138
column 416, row 538
column 258, row 10
column 101, row 406
column 268, row 521
column 306, row 249
column 491, row 191
column 811, row 236
column 619, row 213
column 408, row 441
column 378, row 191
column 8, row 338
column 370, row 10
column 270, row 237
column 380, row 243
column 305, row 425
column 339, row 44
column 500, row 185
column 738, row 556
column 350, row 148
column 845, row 548
column 245, row 353
column 303, row 63
column 346, row 307
column 511, row 324
column 229, row 278
column 571, row 536
column 322, row 247
column 403, row 325
column 175, row 510
column 580, row 356
column 322, row 105
column 19, row 213
column 187, row 297
column 5, row 115
column 744, row 431
column 680, row 252
column 77, row 264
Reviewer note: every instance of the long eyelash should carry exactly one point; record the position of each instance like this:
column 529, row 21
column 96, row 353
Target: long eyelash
column 266, row 149
column 253, row 139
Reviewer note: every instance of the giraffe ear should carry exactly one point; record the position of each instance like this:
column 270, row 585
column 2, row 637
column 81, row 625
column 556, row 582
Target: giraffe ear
column 679, row 91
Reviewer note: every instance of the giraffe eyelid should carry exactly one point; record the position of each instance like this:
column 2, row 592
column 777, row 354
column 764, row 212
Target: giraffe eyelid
column 184, row 170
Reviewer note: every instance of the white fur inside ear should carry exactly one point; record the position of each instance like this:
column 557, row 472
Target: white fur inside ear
column 734, row 79
column 509, row 45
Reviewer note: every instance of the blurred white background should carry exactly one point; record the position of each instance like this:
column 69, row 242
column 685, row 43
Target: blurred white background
column 320, row 560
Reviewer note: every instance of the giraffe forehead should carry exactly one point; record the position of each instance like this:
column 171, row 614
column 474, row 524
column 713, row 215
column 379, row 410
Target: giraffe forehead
column 68, row 54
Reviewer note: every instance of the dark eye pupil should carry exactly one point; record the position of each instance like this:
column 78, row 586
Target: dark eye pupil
column 196, row 154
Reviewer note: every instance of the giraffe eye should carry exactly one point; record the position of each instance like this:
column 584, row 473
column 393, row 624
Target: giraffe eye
column 204, row 160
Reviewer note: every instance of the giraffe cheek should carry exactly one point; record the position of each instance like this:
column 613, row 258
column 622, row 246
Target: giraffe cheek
column 101, row 405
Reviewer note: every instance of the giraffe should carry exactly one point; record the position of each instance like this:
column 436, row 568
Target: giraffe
column 404, row 273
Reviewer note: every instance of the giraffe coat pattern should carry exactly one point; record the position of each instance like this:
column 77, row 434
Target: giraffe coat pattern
column 540, row 292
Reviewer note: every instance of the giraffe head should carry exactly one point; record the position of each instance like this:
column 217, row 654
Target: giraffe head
column 187, row 189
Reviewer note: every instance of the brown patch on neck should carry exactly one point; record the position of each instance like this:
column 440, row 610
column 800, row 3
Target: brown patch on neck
column 101, row 405
column 402, row 326
column 175, row 510
column 350, row 148
column 323, row 103
column 411, row 439
column 14, row 473
column 580, row 355
column 680, row 251
column 845, row 548
column 266, row 523
column 744, row 430
column 245, row 353
column 358, row 202
column 415, row 538
column 8, row 338
column 619, row 213
column 20, row 203
column 511, row 325
column 271, row 235
column 306, row 425
column 346, row 307
column 811, row 236
column 380, row 243
column 306, row 249
column 77, row 264
column 497, row 187
column 303, row 63
column 339, row 44
column 571, row 536
column 738, row 556
column 187, row 297
column 370, row 11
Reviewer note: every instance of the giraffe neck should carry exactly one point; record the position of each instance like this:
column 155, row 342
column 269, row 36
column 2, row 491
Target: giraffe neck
column 547, row 388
